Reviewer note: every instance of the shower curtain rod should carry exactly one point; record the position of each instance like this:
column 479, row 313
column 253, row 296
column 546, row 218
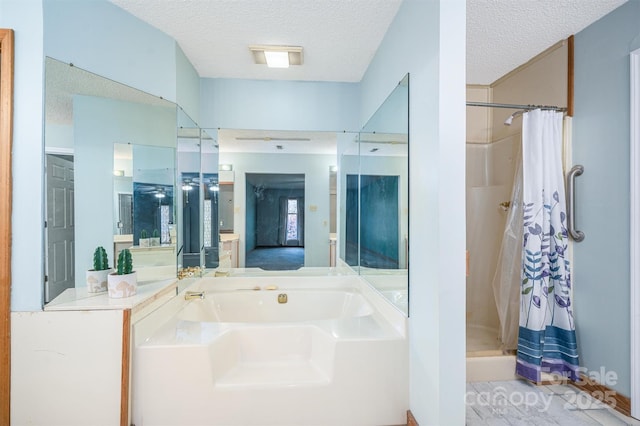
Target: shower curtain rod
column 512, row 106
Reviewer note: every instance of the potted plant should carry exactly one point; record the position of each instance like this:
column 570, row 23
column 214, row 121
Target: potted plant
column 144, row 241
column 155, row 238
column 97, row 277
column 123, row 282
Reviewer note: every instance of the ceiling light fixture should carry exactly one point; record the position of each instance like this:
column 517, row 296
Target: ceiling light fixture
column 277, row 56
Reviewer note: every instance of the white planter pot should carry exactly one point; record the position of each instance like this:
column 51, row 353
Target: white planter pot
column 121, row 286
column 155, row 242
column 97, row 280
column 144, row 242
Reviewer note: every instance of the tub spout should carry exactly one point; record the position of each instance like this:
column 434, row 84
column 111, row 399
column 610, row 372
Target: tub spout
column 194, row 295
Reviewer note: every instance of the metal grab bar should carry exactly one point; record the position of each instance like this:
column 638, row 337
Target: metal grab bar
column 575, row 171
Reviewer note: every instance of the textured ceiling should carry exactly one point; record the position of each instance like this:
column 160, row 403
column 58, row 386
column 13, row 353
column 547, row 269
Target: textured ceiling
column 339, row 37
column 63, row 81
column 504, row 34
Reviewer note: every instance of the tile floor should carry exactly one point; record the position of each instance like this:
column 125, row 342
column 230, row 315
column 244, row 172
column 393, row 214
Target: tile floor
column 517, row 402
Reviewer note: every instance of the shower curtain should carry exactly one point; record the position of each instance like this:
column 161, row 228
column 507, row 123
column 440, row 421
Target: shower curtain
column 506, row 290
column 546, row 339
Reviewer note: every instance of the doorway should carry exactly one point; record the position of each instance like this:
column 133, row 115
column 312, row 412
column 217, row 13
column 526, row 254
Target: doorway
column 60, row 226
column 275, row 221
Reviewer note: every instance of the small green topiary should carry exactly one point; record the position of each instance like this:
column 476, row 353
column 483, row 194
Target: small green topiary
column 155, row 234
column 125, row 264
column 143, row 233
column 100, row 260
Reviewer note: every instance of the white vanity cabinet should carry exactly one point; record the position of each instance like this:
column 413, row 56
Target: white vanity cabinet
column 229, row 254
column 71, row 361
column 164, row 254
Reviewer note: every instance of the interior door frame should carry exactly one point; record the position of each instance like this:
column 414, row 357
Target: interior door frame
column 6, row 137
column 634, row 247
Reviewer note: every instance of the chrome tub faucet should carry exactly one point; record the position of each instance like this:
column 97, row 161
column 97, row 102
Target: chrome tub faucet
column 194, row 295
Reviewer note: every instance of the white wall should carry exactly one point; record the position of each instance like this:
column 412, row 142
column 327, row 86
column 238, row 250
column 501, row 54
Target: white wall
column 427, row 39
column 68, row 371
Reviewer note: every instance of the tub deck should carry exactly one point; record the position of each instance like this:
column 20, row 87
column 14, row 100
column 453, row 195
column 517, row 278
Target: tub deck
column 256, row 358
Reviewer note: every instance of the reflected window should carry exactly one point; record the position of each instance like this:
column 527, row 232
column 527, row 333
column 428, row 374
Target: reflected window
column 208, row 232
column 292, row 219
column 165, row 218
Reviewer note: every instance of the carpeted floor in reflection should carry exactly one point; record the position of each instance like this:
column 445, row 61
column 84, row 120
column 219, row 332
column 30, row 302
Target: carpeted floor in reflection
column 276, row 258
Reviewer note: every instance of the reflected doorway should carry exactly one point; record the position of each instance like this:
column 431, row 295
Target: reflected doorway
column 60, row 225
column 274, row 221
column 372, row 235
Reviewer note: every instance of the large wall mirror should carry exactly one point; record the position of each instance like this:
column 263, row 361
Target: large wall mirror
column 275, row 199
column 303, row 200
column 376, row 181
column 122, row 164
column 110, row 159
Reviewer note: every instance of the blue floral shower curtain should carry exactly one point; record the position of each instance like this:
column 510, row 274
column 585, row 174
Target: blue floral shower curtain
column 546, row 338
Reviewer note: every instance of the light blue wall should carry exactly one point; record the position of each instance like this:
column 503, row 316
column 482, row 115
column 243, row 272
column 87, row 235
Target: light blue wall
column 100, row 37
column 427, row 39
column 601, row 144
column 59, row 137
column 279, row 105
column 187, row 86
column 94, row 35
column 25, row 18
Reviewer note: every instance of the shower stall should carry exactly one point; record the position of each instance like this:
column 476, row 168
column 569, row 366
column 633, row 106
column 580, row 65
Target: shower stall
column 494, row 244
column 490, row 176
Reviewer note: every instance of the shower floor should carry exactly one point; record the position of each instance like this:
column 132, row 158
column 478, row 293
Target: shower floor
column 486, row 361
column 482, row 341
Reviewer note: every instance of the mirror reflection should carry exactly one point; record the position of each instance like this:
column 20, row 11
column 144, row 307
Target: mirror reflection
column 212, row 223
column 188, row 200
column 275, row 190
column 381, row 192
column 85, row 117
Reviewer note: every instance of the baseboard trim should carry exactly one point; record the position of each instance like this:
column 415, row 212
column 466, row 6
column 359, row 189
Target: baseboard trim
column 411, row 421
column 604, row 394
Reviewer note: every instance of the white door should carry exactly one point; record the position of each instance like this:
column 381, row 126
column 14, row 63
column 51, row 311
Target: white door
column 60, row 226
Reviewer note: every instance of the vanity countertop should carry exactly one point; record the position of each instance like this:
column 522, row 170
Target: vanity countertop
column 124, row 238
column 229, row 237
column 162, row 247
column 78, row 299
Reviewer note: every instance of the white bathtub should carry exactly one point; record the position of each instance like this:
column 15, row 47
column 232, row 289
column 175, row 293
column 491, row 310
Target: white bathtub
column 334, row 354
column 263, row 306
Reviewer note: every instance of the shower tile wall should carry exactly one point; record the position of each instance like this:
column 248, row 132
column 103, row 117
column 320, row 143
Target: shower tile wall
column 490, row 168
